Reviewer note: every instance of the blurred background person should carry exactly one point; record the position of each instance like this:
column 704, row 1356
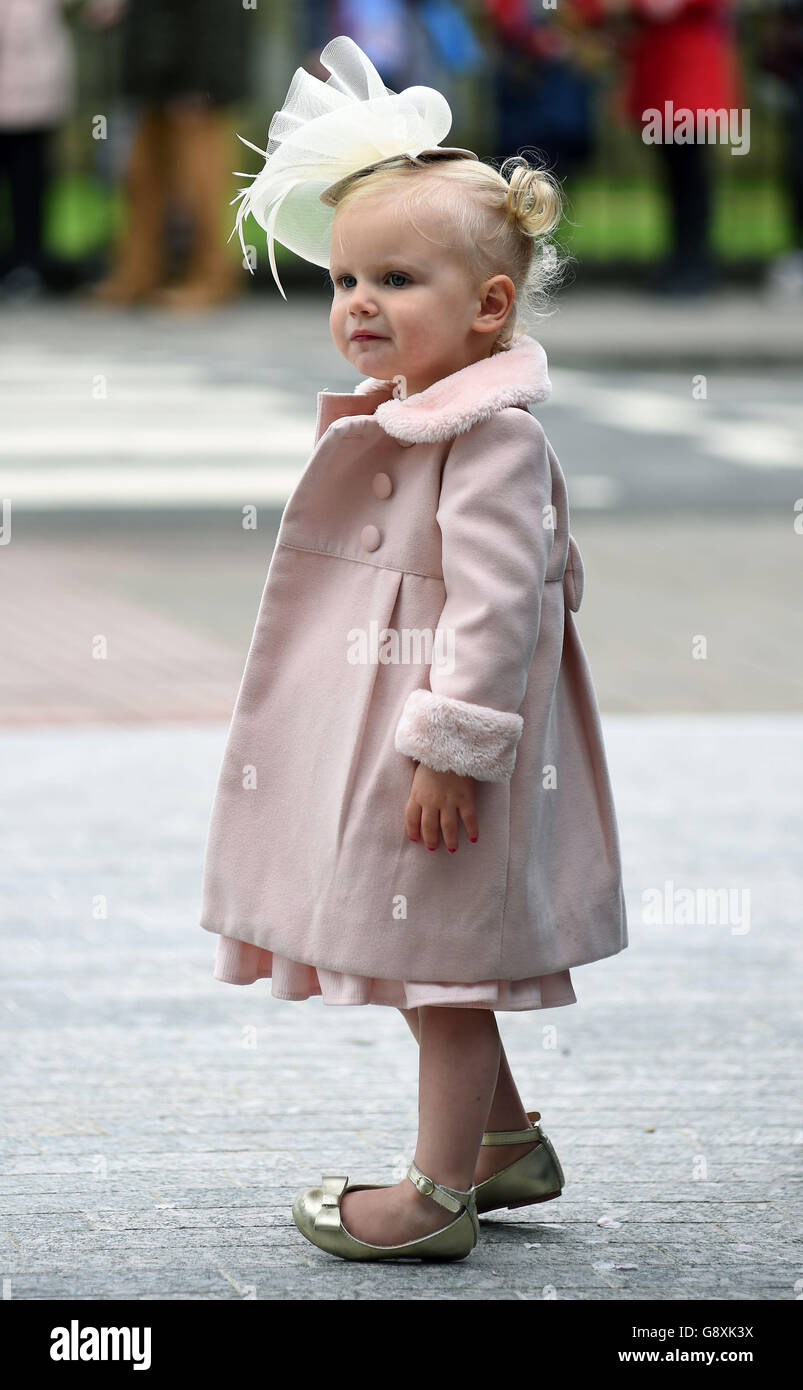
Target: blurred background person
column 37, row 93
column 412, row 43
column 781, row 55
column 183, row 62
column 683, row 52
column 379, row 27
column 543, row 82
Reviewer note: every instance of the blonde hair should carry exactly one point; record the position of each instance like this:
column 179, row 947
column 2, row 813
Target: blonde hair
column 503, row 224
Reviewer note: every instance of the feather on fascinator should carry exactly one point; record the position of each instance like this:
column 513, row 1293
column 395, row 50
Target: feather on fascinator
column 324, row 133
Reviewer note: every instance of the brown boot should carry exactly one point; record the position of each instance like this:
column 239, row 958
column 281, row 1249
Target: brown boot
column 139, row 261
column 201, row 143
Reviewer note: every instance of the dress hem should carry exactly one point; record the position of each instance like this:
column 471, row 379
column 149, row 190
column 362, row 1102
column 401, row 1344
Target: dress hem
column 241, row 963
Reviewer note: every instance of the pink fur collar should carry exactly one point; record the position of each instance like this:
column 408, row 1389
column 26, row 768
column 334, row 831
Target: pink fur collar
column 452, row 405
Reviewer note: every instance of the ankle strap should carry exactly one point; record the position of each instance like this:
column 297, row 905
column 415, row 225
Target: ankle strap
column 513, row 1136
column 450, row 1197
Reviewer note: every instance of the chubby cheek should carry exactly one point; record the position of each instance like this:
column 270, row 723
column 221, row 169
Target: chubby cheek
column 336, row 327
column 425, row 324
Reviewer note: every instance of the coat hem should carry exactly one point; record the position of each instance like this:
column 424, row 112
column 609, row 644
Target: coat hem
column 248, row 934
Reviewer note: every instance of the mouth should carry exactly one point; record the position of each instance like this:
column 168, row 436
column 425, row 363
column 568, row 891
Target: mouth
column 361, row 337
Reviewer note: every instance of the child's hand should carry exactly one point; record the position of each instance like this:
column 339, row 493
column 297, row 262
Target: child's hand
column 434, row 802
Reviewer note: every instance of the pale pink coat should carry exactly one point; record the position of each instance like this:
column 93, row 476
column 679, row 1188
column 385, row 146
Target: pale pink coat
column 38, row 76
column 445, row 513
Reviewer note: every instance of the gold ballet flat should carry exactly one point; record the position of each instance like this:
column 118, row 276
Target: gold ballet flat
column 316, row 1213
column 535, row 1177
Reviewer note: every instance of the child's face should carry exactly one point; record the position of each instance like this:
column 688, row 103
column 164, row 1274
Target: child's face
column 416, row 296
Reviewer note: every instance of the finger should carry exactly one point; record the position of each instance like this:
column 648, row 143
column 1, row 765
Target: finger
column 449, row 827
column 430, row 826
column 412, row 819
column 469, row 818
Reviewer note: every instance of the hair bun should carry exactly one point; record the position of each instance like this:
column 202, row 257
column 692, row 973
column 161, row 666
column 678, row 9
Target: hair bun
column 533, row 199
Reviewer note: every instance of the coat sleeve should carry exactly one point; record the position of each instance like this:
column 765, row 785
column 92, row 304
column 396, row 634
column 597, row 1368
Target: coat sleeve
column 497, row 527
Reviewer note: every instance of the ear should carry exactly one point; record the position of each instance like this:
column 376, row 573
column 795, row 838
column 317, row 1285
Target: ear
column 497, row 297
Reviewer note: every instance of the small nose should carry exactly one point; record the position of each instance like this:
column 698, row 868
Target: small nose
column 361, row 301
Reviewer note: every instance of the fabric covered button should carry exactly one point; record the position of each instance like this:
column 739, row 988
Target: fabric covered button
column 370, row 537
column 381, row 485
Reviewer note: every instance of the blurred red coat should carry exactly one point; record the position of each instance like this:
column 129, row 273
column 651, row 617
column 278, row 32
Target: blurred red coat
column 683, row 51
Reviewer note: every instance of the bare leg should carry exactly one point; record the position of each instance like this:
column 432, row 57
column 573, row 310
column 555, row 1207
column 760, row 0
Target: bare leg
column 507, row 1112
column 139, row 257
column 410, row 1017
column 199, row 141
column 457, row 1068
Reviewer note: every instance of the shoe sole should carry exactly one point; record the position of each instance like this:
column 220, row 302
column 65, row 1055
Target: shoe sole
column 530, row 1201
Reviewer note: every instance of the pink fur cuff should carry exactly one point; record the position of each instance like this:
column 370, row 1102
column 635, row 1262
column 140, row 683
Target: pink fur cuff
column 453, row 735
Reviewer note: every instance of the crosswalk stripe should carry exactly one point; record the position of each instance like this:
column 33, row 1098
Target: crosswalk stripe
column 53, row 488
column 154, row 440
column 750, row 443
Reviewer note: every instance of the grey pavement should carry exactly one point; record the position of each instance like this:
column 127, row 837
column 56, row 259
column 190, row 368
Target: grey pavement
column 159, row 1122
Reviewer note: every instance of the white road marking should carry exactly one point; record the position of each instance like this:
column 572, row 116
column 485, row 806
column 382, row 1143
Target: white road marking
column 753, row 444
column 151, row 441
column 593, row 490
column 771, row 441
column 235, row 486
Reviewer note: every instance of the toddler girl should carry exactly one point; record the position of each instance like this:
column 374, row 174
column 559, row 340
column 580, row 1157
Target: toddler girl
column 414, row 807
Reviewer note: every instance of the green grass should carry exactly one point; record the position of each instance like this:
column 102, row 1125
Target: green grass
column 629, row 218
column 81, row 216
column 621, row 218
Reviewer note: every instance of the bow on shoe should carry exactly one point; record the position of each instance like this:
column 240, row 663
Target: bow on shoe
column 328, row 1217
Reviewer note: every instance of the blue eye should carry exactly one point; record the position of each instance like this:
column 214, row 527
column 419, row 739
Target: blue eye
column 346, row 276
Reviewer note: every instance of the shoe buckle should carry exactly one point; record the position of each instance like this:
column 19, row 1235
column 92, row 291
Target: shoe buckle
column 425, row 1184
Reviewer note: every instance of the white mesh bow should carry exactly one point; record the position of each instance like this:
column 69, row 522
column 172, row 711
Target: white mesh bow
column 326, row 131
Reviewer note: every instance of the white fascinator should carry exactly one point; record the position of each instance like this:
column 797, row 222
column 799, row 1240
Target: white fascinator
column 324, row 133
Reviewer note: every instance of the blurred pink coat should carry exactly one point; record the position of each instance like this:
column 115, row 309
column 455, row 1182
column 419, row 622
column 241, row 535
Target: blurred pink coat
column 419, row 606
column 38, row 79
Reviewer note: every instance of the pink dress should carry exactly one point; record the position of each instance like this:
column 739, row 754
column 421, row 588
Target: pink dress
column 241, row 963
